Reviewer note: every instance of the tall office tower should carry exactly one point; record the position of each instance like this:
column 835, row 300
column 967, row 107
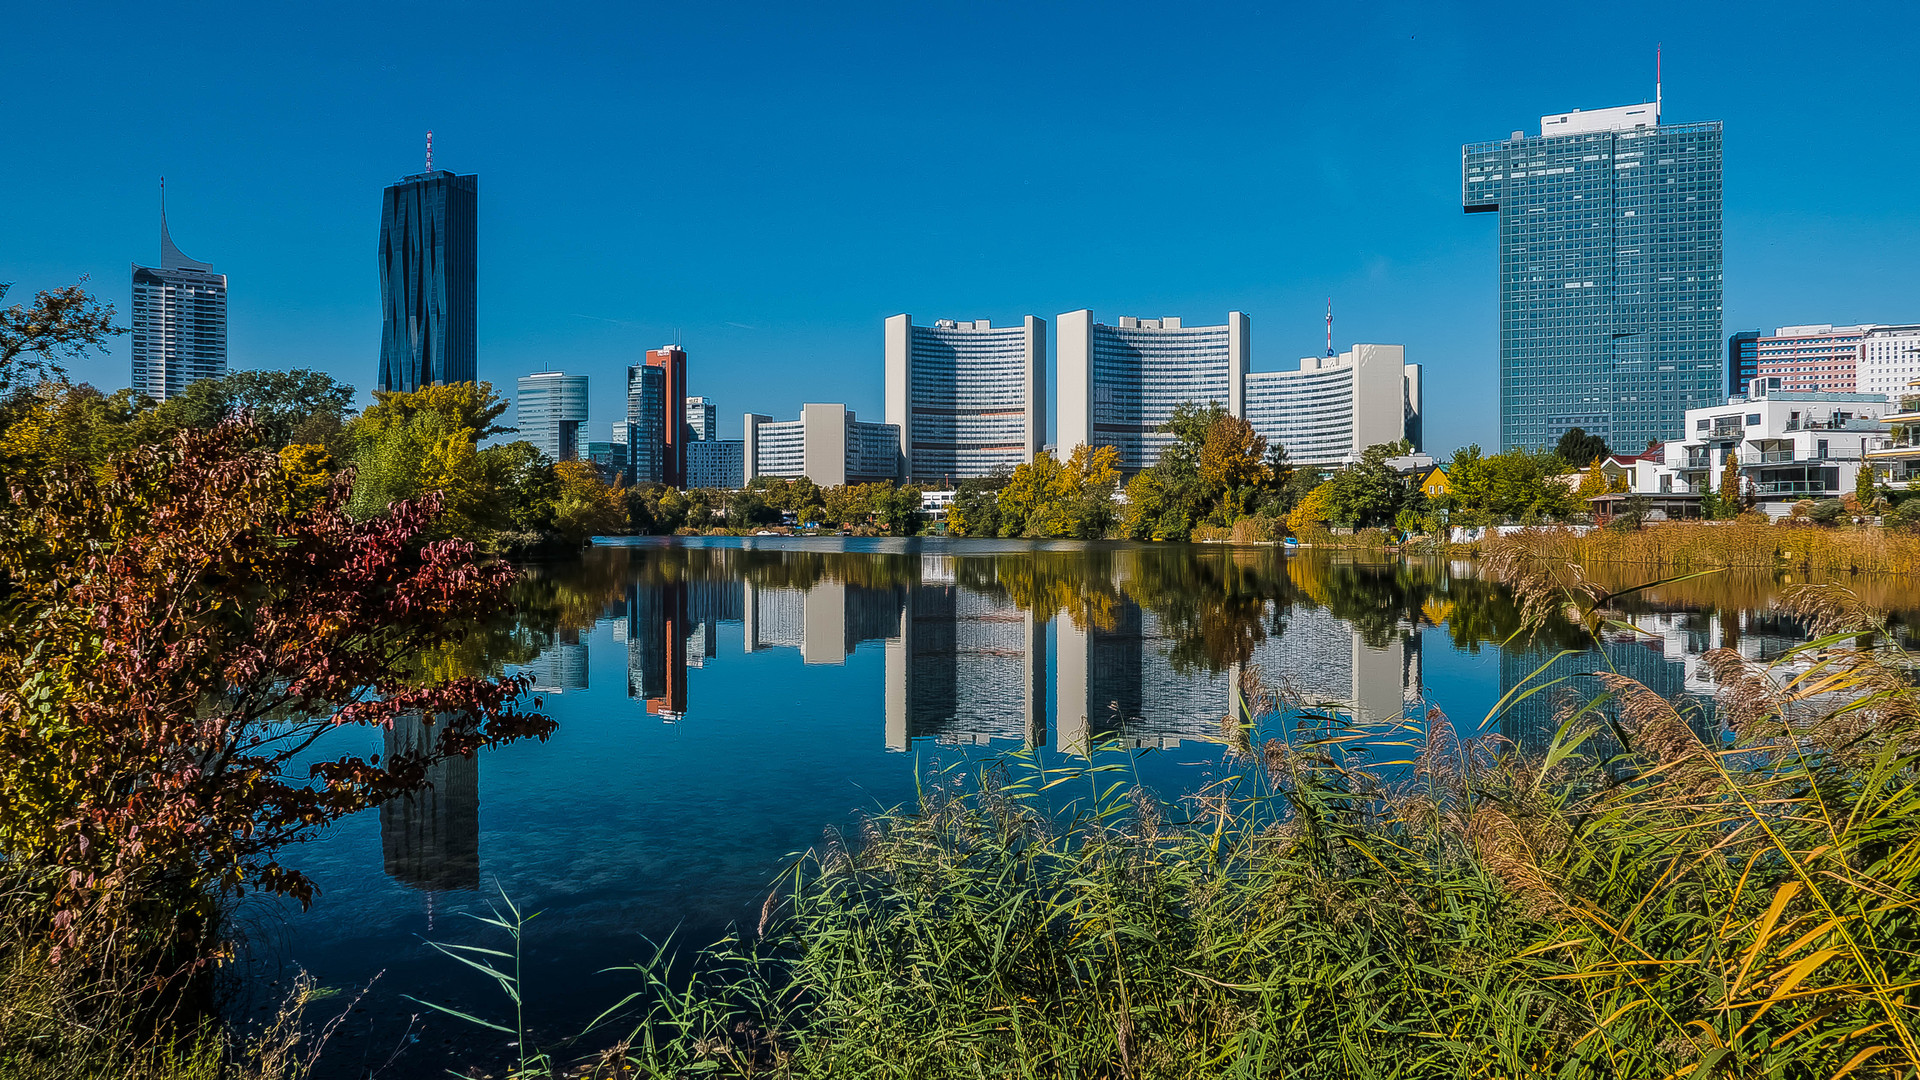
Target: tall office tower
column 1743, row 360
column 179, row 321
column 1118, row 384
column 1333, row 407
column 428, row 229
column 703, row 420
column 549, row 410
column 968, row 397
column 646, row 427
column 1610, row 272
column 674, row 431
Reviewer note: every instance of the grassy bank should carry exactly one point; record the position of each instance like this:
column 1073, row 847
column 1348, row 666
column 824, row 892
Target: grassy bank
column 1748, row 543
column 1651, row 898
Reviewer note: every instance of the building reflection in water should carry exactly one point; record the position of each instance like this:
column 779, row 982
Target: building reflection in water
column 964, row 666
column 966, row 662
column 430, row 839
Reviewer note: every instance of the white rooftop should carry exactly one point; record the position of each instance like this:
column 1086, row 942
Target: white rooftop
column 1619, row 118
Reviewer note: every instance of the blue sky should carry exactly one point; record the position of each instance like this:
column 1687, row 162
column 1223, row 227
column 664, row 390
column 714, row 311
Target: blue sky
column 768, row 183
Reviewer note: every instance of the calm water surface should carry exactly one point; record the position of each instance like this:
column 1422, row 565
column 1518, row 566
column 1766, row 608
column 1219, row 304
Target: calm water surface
column 722, row 701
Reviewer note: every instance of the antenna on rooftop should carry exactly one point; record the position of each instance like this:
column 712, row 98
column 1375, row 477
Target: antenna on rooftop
column 1656, row 82
column 1329, row 326
column 429, row 151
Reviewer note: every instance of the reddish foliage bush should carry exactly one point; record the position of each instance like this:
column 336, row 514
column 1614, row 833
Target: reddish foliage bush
column 180, row 639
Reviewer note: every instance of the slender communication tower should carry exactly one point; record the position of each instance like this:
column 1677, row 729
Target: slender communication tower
column 429, row 151
column 1656, row 82
column 1329, row 326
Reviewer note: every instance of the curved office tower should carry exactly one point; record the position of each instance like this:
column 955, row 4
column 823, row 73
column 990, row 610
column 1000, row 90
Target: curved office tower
column 179, row 322
column 968, row 397
column 1118, row 384
column 1334, row 407
column 549, row 410
column 428, row 225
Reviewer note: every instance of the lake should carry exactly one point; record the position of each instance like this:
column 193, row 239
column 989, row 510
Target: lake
column 723, row 701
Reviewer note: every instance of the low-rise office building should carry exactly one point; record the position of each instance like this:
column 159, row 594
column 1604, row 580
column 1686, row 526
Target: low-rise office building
column 826, row 444
column 716, row 463
column 1895, row 456
column 1787, row 445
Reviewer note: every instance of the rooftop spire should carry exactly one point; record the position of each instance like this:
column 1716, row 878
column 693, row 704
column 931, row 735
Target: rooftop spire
column 171, row 258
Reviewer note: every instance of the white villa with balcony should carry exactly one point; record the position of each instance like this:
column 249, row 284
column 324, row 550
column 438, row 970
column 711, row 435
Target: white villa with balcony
column 1895, row 457
column 1790, row 445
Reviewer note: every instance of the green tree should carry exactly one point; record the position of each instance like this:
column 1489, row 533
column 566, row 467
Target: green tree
column 976, row 505
column 1369, row 492
column 61, row 324
column 286, row 407
column 1579, row 449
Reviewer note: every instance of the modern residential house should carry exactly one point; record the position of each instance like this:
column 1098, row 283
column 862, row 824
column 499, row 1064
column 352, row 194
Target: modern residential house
column 179, row 321
column 1895, row 457
column 1787, row 445
column 428, row 261
column 1610, row 273
column 1119, row 383
column 968, row 397
column 826, row 444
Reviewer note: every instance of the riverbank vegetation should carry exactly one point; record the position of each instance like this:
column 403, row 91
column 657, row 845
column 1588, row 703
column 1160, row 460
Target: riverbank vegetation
column 1750, row 542
column 191, row 604
column 1661, row 892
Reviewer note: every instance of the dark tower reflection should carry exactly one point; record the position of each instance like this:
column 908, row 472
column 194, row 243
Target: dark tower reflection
column 430, row 839
column 657, row 632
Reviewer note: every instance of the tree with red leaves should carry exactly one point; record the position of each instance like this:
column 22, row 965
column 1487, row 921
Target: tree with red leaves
column 180, row 635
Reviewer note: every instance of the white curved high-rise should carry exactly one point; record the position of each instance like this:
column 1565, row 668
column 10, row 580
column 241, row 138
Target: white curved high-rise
column 1118, row 384
column 1334, row 407
column 968, row 397
column 549, row 410
column 179, row 322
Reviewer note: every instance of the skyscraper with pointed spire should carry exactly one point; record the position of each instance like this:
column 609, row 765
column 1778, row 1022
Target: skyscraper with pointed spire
column 428, row 227
column 179, row 320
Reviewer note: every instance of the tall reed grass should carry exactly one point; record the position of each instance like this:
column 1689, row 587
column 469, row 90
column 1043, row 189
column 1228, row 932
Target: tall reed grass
column 1747, row 543
column 1725, row 896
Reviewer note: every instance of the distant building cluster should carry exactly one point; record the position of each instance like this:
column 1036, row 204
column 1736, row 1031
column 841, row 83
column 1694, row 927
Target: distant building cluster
column 1610, row 321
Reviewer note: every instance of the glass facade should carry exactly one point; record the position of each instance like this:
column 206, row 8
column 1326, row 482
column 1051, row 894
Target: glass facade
column 646, row 427
column 428, row 226
column 1743, row 360
column 549, row 410
column 1610, row 279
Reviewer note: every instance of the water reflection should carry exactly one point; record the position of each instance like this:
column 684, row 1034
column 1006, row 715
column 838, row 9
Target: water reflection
column 720, row 702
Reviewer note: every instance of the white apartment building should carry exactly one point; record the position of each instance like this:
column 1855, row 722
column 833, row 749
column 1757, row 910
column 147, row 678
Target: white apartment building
column 1889, row 360
column 1333, row 407
column 1789, row 445
column 826, row 444
column 968, row 397
column 1119, row 383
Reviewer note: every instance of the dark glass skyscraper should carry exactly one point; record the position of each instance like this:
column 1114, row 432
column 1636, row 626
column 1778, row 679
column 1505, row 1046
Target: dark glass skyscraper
column 1610, row 273
column 1743, row 360
column 428, row 226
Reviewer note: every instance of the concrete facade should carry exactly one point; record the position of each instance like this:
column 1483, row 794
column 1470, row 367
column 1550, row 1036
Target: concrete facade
column 968, row 397
column 1119, row 383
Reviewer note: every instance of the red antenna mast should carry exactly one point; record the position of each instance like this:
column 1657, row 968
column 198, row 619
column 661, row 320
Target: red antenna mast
column 429, row 151
column 1329, row 326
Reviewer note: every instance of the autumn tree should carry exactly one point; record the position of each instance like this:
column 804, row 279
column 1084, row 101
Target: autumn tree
column 184, row 636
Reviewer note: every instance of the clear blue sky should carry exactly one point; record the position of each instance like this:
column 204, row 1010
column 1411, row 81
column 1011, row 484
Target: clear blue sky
column 768, row 183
